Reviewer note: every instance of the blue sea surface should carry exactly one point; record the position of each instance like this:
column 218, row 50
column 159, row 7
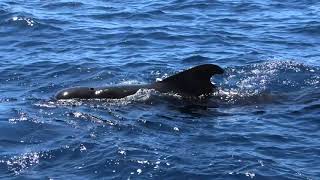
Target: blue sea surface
column 263, row 122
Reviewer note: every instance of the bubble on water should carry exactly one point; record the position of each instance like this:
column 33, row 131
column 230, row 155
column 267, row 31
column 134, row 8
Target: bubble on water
column 261, row 163
column 82, row 148
column 18, row 164
column 22, row 116
column 250, row 174
column 29, row 21
column 143, row 162
column 130, row 82
column 122, row 152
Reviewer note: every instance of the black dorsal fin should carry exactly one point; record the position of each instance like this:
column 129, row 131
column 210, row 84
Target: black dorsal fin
column 194, row 81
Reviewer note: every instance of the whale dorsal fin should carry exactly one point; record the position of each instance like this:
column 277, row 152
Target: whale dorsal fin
column 194, row 81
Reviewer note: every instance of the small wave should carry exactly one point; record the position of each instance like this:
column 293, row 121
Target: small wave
column 61, row 5
column 158, row 126
column 17, row 164
column 312, row 28
column 189, row 5
column 266, row 82
column 27, row 22
column 30, row 44
column 156, row 12
column 159, row 35
column 130, row 82
column 196, row 59
column 259, row 75
column 134, row 42
column 126, row 15
column 313, row 107
column 92, row 118
column 6, row 100
column 23, row 116
column 5, row 14
column 244, row 7
column 136, row 64
column 111, row 15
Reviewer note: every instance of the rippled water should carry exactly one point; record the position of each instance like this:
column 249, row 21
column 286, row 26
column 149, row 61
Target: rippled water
column 262, row 123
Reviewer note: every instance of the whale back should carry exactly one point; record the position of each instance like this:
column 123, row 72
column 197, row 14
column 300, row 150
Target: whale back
column 191, row 82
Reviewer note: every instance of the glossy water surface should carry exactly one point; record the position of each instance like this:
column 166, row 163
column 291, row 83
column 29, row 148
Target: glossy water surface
column 262, row 123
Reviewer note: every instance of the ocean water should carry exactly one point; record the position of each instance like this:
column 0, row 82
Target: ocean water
column 261, row 123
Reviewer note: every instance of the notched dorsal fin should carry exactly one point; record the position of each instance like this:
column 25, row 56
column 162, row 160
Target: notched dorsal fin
column 194, row 81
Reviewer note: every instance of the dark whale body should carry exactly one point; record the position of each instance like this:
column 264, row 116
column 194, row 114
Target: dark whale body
column 192, row 83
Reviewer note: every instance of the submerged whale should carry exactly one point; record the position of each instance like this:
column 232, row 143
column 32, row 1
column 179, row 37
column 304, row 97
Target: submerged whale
column 189, row 83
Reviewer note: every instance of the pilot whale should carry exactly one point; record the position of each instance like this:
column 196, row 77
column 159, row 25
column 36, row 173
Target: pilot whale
column 189, row 83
